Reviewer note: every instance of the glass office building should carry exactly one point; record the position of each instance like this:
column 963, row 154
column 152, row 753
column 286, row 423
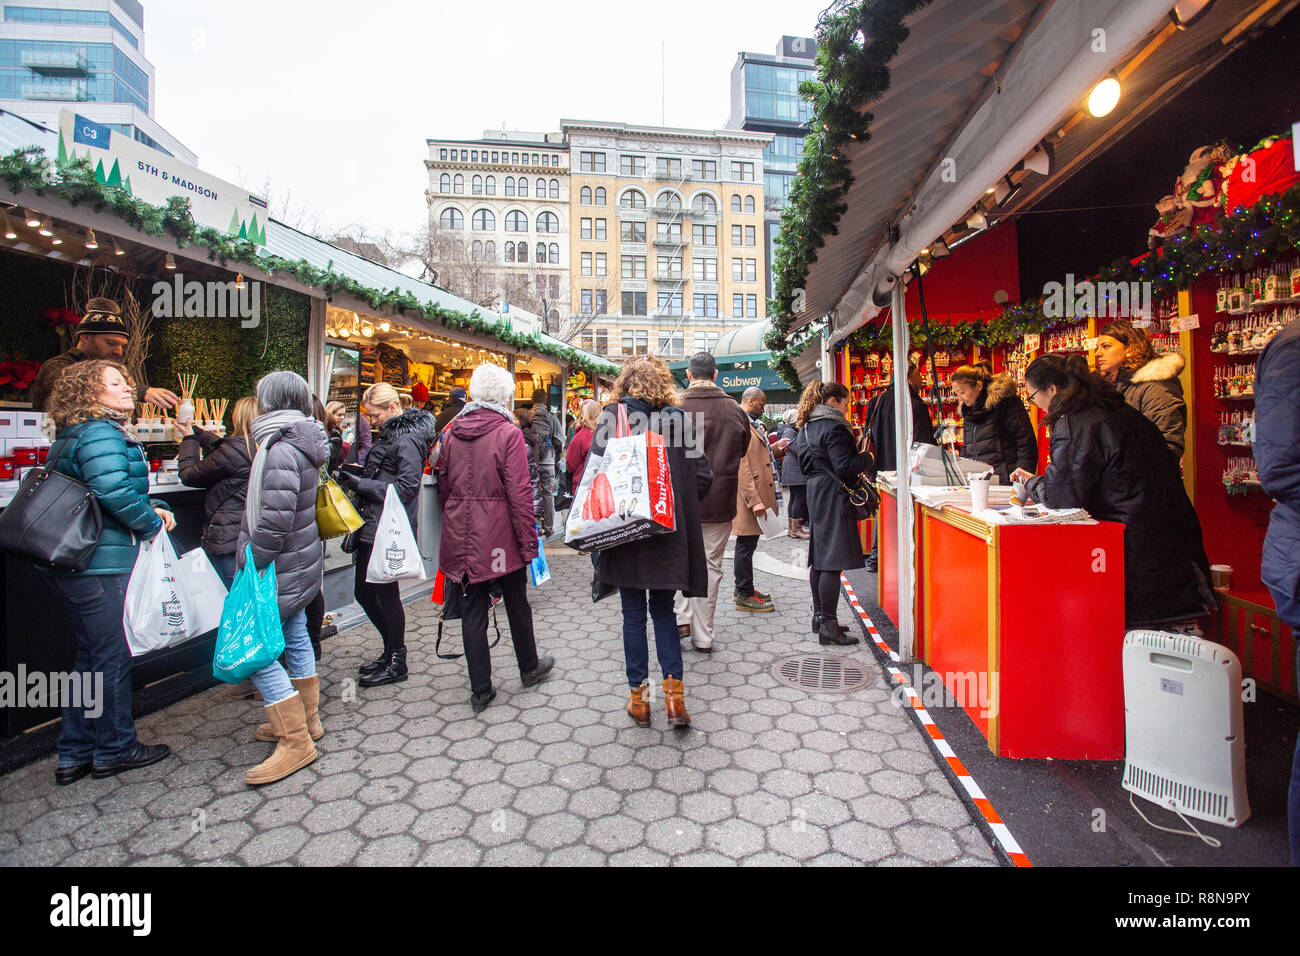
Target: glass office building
column 765, row 98
column 87, row 56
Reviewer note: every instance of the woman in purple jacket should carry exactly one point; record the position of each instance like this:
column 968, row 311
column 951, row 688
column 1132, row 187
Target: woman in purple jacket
column 489, row 532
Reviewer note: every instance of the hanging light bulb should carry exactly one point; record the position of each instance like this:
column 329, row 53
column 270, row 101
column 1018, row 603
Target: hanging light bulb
column 239, row 280
column 170, row 262
column 33, row 220
column 117, row 250
column 56, row 241
column 1104, row 96
column 9, row 229
column 44, row 228
column 384, row 326
column 367, row 330
column 91, row 241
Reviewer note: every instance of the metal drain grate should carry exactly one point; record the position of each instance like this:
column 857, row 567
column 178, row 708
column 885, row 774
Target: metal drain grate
column 823, row 673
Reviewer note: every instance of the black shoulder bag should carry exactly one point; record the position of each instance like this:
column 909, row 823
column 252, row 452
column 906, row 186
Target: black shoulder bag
column 53, row 520
column 862, row 493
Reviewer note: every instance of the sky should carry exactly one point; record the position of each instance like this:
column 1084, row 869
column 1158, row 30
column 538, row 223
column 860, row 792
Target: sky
column 333, row 109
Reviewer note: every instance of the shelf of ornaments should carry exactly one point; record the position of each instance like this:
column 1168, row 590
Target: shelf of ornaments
column 1236, row 398
column 1251, row 354
column 1067, row 351
column 1261, row 305
column 1236, row 444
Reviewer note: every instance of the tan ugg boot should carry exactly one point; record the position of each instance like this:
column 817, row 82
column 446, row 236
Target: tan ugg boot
column 309, row 687
column 294, row 749
column 675, row 703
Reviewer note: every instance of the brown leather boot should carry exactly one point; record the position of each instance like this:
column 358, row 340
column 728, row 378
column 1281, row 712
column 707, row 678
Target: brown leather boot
column 638, row 708
column 309, row 687
column 294, row 749
column 675, row 703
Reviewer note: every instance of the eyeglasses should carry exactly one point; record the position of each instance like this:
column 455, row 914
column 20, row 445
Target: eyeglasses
column 1033, row 393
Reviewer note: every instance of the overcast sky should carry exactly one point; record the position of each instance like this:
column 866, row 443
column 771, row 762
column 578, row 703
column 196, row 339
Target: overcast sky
column 332, row 102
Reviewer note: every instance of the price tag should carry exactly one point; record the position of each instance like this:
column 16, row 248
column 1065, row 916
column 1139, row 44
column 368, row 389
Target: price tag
column 1141, row 323
column 1089, row 343
column 1031, row 341
column 1185, row 324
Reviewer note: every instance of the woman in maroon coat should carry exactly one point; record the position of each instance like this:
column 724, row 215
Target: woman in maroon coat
column 489, row 533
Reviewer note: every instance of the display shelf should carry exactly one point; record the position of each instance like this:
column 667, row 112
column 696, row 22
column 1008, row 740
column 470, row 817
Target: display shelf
column 1236, row 444
column 1261, row 305
column 1236, row 398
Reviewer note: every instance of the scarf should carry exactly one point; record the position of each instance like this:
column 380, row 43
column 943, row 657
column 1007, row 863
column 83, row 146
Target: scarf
column 825, row 411
column 262, row 429
column 491, row 406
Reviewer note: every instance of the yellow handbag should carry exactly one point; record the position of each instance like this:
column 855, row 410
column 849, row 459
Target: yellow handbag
column 335, row 515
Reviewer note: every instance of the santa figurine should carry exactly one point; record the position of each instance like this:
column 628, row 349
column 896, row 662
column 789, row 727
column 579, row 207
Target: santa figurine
column 1173, row 221
column 1198, row 187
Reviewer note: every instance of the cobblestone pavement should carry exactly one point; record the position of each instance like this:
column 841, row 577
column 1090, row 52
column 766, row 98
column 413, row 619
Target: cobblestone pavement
column 767, row 774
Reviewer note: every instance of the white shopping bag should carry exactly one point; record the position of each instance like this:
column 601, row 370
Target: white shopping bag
column 155, row 614
column 205, row 594
column 770, row 523
column 396, row 556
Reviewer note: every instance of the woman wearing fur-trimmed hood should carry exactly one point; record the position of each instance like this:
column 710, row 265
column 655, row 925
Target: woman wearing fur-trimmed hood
column 1148, row 381
column 995, row 425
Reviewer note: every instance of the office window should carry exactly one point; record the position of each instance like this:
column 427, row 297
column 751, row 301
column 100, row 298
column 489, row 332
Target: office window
column 596, row 340
column 602, row 305
column 553, row 282
column 541, row 188
column 749, row 204
column 510, row 252
column 546, row 159
column 670, row 303
column 586, row 263
column 510, row 185
column 584, row 229
column 490, row 185
column 706, row 305
column 584, row 196
column 451, row 219
column 668, row 267
column 535, row 159
column 458, row 183
column 484, row 221
column 707, row 341
column 631, row 166
column 635, row 341
column 704, row 235
column 495, row 156
column 541, row 252
column 523, row 185
column 751, row 236
column 633, row 303
column 672, row 343
column 555, row 189
column 751, row 270
column 669, row 200
column 632, row 199
column 553, row 255
column 514, row 159
column 586, row 301
column 548, row 222
column 668, row 168
column 516, row 221
column 737, row 236
column 444, row 182
column 600, row 230
column 669, row 232
column 601, row 260
column 442, row 155
column 632, row 232
column 751, row 306
column 600, row 195
column 490, row 251
column 464, row 156
column 473, row 155
column 737, row 270
column 522, row 251
column 744, row 172
column 704, row 204
column 633, row 267
column 735, row 202
column 705, row 269
column 705, row 169
column 591, row 162
column 476, row 250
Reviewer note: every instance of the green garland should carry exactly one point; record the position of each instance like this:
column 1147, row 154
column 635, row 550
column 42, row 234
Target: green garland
column 31, row 170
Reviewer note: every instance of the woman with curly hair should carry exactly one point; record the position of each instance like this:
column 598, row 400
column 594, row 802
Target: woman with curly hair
column 649, row 573
column 1148, row 381
column 90, row 402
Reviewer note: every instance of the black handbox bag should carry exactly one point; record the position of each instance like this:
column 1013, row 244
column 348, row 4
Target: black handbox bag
column 52, row 521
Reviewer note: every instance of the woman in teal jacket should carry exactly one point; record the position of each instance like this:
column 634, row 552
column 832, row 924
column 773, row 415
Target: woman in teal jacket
column 89, row 403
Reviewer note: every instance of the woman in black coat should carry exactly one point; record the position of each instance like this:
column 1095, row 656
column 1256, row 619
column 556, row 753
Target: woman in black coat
column 995, row 423
column 792, row 477
column 1108, row 459
column 223, row 470
column 650, row 572
column 830, row 459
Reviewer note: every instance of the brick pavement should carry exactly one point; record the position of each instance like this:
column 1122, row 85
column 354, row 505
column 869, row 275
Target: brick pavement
column 767, row 774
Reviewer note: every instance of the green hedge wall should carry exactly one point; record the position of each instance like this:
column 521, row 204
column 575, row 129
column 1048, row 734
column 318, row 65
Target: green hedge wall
column 29, row 286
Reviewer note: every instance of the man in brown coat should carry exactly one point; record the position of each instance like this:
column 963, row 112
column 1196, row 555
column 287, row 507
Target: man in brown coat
column 755, row 494
column 723, row 431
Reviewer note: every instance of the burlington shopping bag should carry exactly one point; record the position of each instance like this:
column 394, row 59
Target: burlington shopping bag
column 539, row 572
column 155, row 613
column 250, row 636
column 396, row 556
column 626, row 495
column 335, row 514
column 53, row 521
column 205, row 593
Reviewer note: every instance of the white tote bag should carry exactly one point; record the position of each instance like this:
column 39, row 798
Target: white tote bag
column 205, row 594
column 155, row 614
column 396, row 556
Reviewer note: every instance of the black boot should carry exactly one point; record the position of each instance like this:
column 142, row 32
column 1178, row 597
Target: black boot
column 393, row 673
column 378, row 664
column 817, row 623
column 832, row 632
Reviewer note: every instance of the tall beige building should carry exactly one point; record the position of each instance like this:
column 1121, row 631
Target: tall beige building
column 667, row 249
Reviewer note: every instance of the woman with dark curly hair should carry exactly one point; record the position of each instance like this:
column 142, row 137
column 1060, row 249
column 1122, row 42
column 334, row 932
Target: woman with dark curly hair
column 649, row 573
column 90, row 402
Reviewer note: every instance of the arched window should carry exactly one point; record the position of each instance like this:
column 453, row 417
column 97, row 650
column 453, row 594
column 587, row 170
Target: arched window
column 516, row 221
column 749, row 204
column 704, row 203
column 510, row 185
column 541, row 188
column 548, row 222
column 476, row 250
column 585, row 195
column 444, row 183
column 523, row 185
column 554, row 253
column 669, row 200
column 458, row 184
column 451, row 219
column 735, row 203
column 632, row 199
column 484, row 221
column 555, row 189
column 476, row 185
column 523, row 252
column 490, row 185
column 600, row 195
column 510, row 252
column 490, row 251
column 541, row 252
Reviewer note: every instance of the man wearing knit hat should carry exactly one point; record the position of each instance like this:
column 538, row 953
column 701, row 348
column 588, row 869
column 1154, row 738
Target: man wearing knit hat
column 102, row 334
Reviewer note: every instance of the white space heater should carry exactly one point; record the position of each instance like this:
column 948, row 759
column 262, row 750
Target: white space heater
column 1184, row 743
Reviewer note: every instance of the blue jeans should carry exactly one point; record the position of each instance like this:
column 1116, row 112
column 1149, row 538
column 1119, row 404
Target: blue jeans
column 667, row 644
column 272, row 682
column 94, row 603
column 224, row 564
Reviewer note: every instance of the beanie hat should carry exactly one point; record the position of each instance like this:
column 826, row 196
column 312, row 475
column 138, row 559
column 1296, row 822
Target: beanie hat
column 540, row 397
column 457, row 394
column 102, row 315
column 419, row 393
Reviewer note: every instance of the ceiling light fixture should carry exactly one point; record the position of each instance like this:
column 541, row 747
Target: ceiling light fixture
column 56, row 241
column 9, row 229
column 939, row 249
column 33, row 220
column 91, row 241
column 170, row 261
column 44, row 228
column 1104, row 96
column 1187, row 12
column 117, row 250
column 977, row 220
column 239, row 280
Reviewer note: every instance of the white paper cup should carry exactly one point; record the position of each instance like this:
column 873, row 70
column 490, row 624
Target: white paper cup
column 979, row 493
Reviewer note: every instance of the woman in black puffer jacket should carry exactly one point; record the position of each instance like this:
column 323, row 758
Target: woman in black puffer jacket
column 401, row 447
column 223, row 470
column 995, row 423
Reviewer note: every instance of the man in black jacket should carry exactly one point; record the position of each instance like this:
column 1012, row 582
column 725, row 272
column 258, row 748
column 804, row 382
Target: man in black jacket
column 455, row 402
column 550, row 447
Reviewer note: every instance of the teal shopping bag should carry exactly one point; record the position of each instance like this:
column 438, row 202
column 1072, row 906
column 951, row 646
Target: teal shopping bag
column 250, row 636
